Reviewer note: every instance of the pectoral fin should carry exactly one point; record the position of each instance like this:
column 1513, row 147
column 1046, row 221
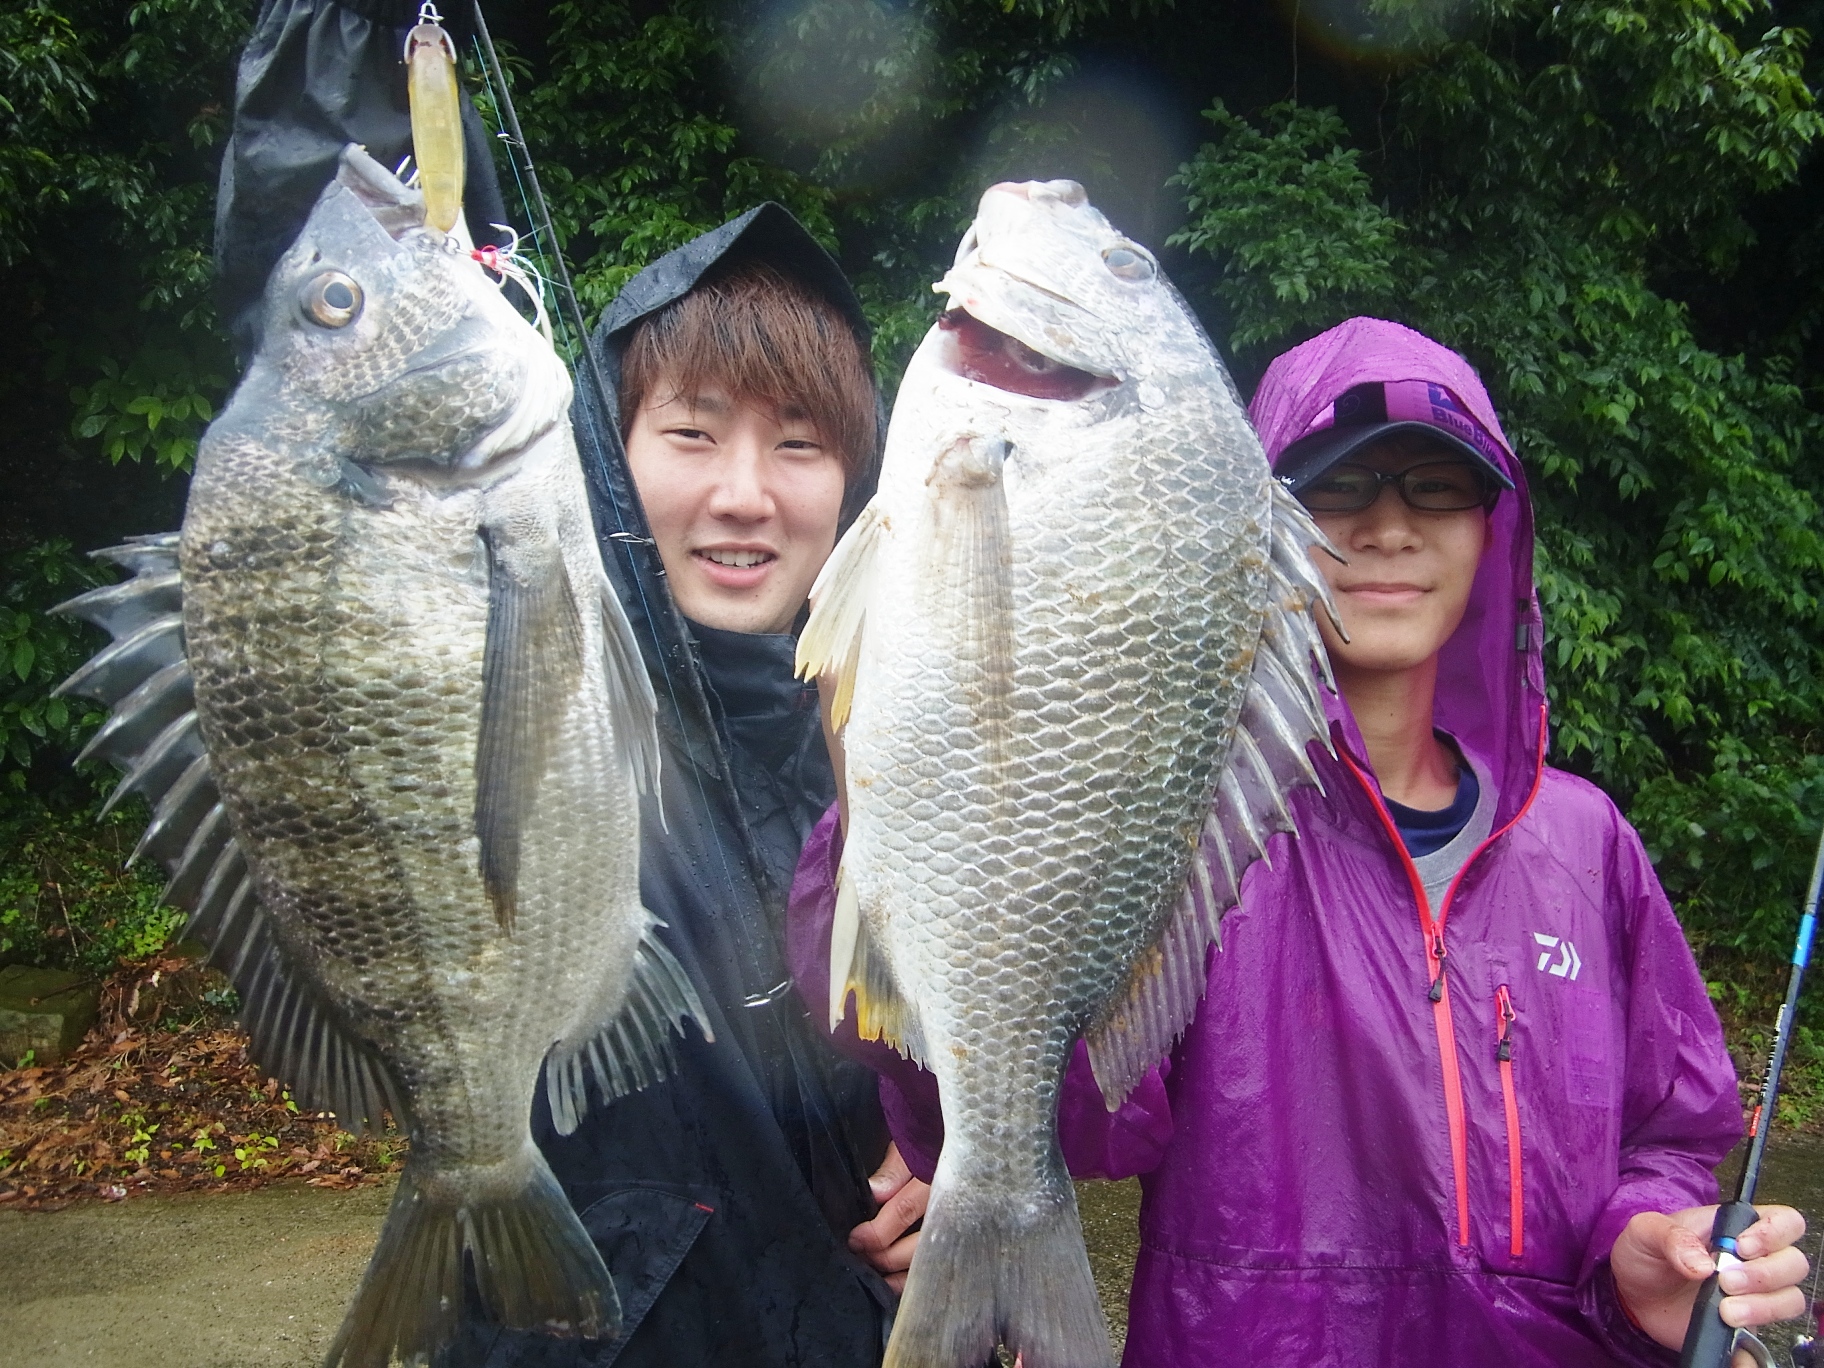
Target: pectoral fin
column 831, row 640
column 531, row 672
column 971, row 579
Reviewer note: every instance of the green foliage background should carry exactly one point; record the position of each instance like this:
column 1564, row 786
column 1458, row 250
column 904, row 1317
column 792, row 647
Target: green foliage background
column 1611, row 208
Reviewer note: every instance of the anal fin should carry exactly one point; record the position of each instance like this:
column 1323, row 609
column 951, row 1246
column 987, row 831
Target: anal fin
column 857, row 966
column 635, row 706
column 633, row 1050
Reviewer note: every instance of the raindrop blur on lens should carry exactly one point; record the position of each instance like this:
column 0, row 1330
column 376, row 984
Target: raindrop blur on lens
column 837, row 89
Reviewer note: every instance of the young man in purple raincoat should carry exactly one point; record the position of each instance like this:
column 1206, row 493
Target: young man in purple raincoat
column 1455, row 1091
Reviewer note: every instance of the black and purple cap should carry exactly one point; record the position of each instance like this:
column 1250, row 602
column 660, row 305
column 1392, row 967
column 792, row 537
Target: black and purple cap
column 1364, row 413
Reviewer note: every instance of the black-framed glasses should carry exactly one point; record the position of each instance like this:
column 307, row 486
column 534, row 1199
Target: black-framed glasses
column 1434, row 487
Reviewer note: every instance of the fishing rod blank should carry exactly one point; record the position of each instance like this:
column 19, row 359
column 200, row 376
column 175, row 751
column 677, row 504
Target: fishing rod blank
column 510, row 116
column 1709, row 1343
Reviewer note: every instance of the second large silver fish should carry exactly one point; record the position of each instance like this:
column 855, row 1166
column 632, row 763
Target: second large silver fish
column 1072, row 642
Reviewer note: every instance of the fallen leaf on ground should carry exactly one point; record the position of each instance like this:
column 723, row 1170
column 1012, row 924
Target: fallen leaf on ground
column 174, row 1079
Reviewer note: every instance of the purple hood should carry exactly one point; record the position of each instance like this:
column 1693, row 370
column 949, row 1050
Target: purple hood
column 1491, row 681
column 1397, row 1133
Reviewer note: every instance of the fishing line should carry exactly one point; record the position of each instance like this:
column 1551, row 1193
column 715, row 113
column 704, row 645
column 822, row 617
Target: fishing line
column 538, row 212
column 509, row 263
column 1805, row 1347
column 807, row 1082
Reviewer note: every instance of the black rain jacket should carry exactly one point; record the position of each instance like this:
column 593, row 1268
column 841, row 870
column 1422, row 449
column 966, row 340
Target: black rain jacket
column 721, row 1199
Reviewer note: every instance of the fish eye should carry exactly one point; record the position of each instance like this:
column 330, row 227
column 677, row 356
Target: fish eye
column 1129, row 264
column 330, row 300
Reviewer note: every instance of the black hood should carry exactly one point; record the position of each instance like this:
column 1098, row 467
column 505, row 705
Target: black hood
column 317, row 75
column 767, row 234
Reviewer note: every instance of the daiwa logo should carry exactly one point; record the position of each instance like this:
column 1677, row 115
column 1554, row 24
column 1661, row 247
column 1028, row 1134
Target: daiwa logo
column 1567, row 962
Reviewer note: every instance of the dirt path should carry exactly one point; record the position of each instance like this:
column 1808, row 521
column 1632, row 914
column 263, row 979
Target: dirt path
column 260, row 1279
column 244, row 1280
column 1111, row 1215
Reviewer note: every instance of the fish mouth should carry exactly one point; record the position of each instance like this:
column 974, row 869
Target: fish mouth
column 988, row 356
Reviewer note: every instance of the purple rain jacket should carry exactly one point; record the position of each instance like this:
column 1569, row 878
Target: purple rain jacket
column 1336, row 1168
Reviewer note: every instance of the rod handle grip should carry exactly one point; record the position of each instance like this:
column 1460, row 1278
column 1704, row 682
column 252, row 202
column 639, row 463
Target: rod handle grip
column 1708, row 1342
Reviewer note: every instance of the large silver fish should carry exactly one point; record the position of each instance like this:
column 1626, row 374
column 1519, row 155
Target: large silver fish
column 392, row 722
column 1073, row 641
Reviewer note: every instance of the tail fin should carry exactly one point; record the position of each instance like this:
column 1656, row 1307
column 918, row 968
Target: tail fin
column 1004, row 1269
column 534, row 1263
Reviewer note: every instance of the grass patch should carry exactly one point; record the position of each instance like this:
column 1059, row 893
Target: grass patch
column 67, row 899
column 1748, row 995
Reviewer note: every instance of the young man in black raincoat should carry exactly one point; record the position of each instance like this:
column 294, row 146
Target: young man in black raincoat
column 722, row 1199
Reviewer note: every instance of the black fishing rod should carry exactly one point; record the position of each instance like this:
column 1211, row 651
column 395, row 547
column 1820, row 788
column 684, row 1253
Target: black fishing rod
column 660, row 614
column 1708, row 1342
column 510, row 117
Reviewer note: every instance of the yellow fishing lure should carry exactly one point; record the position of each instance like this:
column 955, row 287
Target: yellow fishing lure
column 436, row 103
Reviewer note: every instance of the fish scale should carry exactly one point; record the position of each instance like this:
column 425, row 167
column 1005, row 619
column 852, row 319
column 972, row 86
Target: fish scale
column 1045, row 632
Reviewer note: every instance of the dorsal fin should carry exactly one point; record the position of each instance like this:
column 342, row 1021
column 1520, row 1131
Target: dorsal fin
column 152, row 735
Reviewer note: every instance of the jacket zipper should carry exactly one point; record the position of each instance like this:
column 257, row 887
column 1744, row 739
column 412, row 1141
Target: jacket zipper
column 1432, row 928
column 1504, row 1055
